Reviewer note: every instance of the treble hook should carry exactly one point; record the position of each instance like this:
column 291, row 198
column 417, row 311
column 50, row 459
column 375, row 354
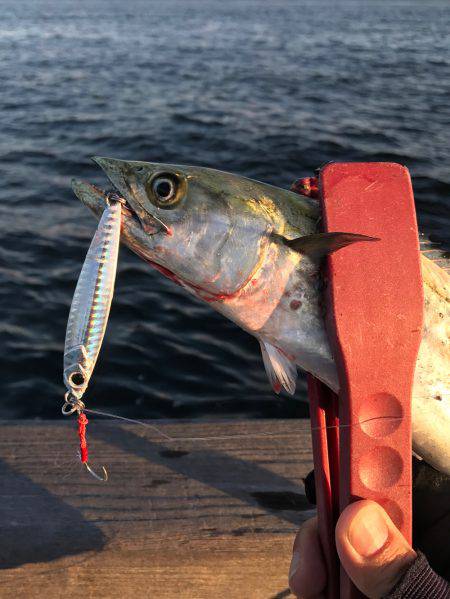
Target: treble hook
column 95, row 475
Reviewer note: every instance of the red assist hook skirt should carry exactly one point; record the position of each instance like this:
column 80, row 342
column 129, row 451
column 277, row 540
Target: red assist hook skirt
column 82, row 424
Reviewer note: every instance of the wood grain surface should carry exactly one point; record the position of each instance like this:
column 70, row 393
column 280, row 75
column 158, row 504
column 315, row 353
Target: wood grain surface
column 210, row 512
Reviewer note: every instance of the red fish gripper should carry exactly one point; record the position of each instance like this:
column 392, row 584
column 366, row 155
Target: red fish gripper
column 374, row 295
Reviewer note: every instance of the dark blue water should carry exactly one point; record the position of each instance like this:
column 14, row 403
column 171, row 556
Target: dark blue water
column 267, row 89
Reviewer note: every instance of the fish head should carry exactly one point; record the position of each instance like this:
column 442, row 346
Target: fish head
column 207, row 229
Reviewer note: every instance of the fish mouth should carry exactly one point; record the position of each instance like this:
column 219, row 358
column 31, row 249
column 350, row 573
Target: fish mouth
column 98, row 199
column 123, row 180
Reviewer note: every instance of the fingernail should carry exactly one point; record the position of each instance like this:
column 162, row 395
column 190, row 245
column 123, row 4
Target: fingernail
column 295, row 562
column 368, row 531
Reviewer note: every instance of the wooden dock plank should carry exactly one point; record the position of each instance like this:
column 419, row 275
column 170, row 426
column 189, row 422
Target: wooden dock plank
column 210, row 512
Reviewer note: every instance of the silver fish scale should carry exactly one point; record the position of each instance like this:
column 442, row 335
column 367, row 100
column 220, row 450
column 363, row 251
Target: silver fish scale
column 91, row 302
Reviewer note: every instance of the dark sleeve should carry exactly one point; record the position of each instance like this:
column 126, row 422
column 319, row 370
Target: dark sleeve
column 420, row 582
column 431, row 516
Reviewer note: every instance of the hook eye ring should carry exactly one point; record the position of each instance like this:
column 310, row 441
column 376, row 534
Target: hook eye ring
column 71, row 404
column 112, row 196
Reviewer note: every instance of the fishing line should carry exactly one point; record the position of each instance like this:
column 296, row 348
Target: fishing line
column 169, row 438
column 261, row 435
column 132, row 420
column 82, row 453
column 353, row 424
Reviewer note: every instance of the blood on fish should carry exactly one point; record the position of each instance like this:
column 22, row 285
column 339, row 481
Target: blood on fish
column 203, row 294
column 295, row 304
column 166, row 272
column 277, row 387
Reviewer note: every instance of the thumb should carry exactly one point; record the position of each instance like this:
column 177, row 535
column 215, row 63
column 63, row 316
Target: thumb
column 372, row 550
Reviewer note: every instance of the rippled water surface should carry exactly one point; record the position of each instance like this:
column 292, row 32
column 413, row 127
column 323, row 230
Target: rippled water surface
column 267, row 89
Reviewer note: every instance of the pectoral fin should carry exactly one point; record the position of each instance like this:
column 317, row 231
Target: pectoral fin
column 281, row 371
column 321, row 244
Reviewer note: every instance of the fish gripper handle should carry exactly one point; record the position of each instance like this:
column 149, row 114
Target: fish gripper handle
column 374, row 298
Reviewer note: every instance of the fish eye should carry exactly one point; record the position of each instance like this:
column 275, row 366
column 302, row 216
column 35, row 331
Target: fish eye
column 166, row 189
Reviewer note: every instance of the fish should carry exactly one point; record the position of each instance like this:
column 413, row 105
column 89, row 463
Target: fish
column 253, row 252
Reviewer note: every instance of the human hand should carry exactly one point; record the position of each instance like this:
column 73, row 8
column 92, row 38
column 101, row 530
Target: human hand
column 372, row 550
column 431, row 525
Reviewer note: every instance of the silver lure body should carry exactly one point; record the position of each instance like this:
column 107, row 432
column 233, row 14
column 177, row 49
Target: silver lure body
column 91, row 302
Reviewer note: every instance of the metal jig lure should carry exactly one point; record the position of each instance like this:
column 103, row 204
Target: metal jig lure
column 88, row 316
